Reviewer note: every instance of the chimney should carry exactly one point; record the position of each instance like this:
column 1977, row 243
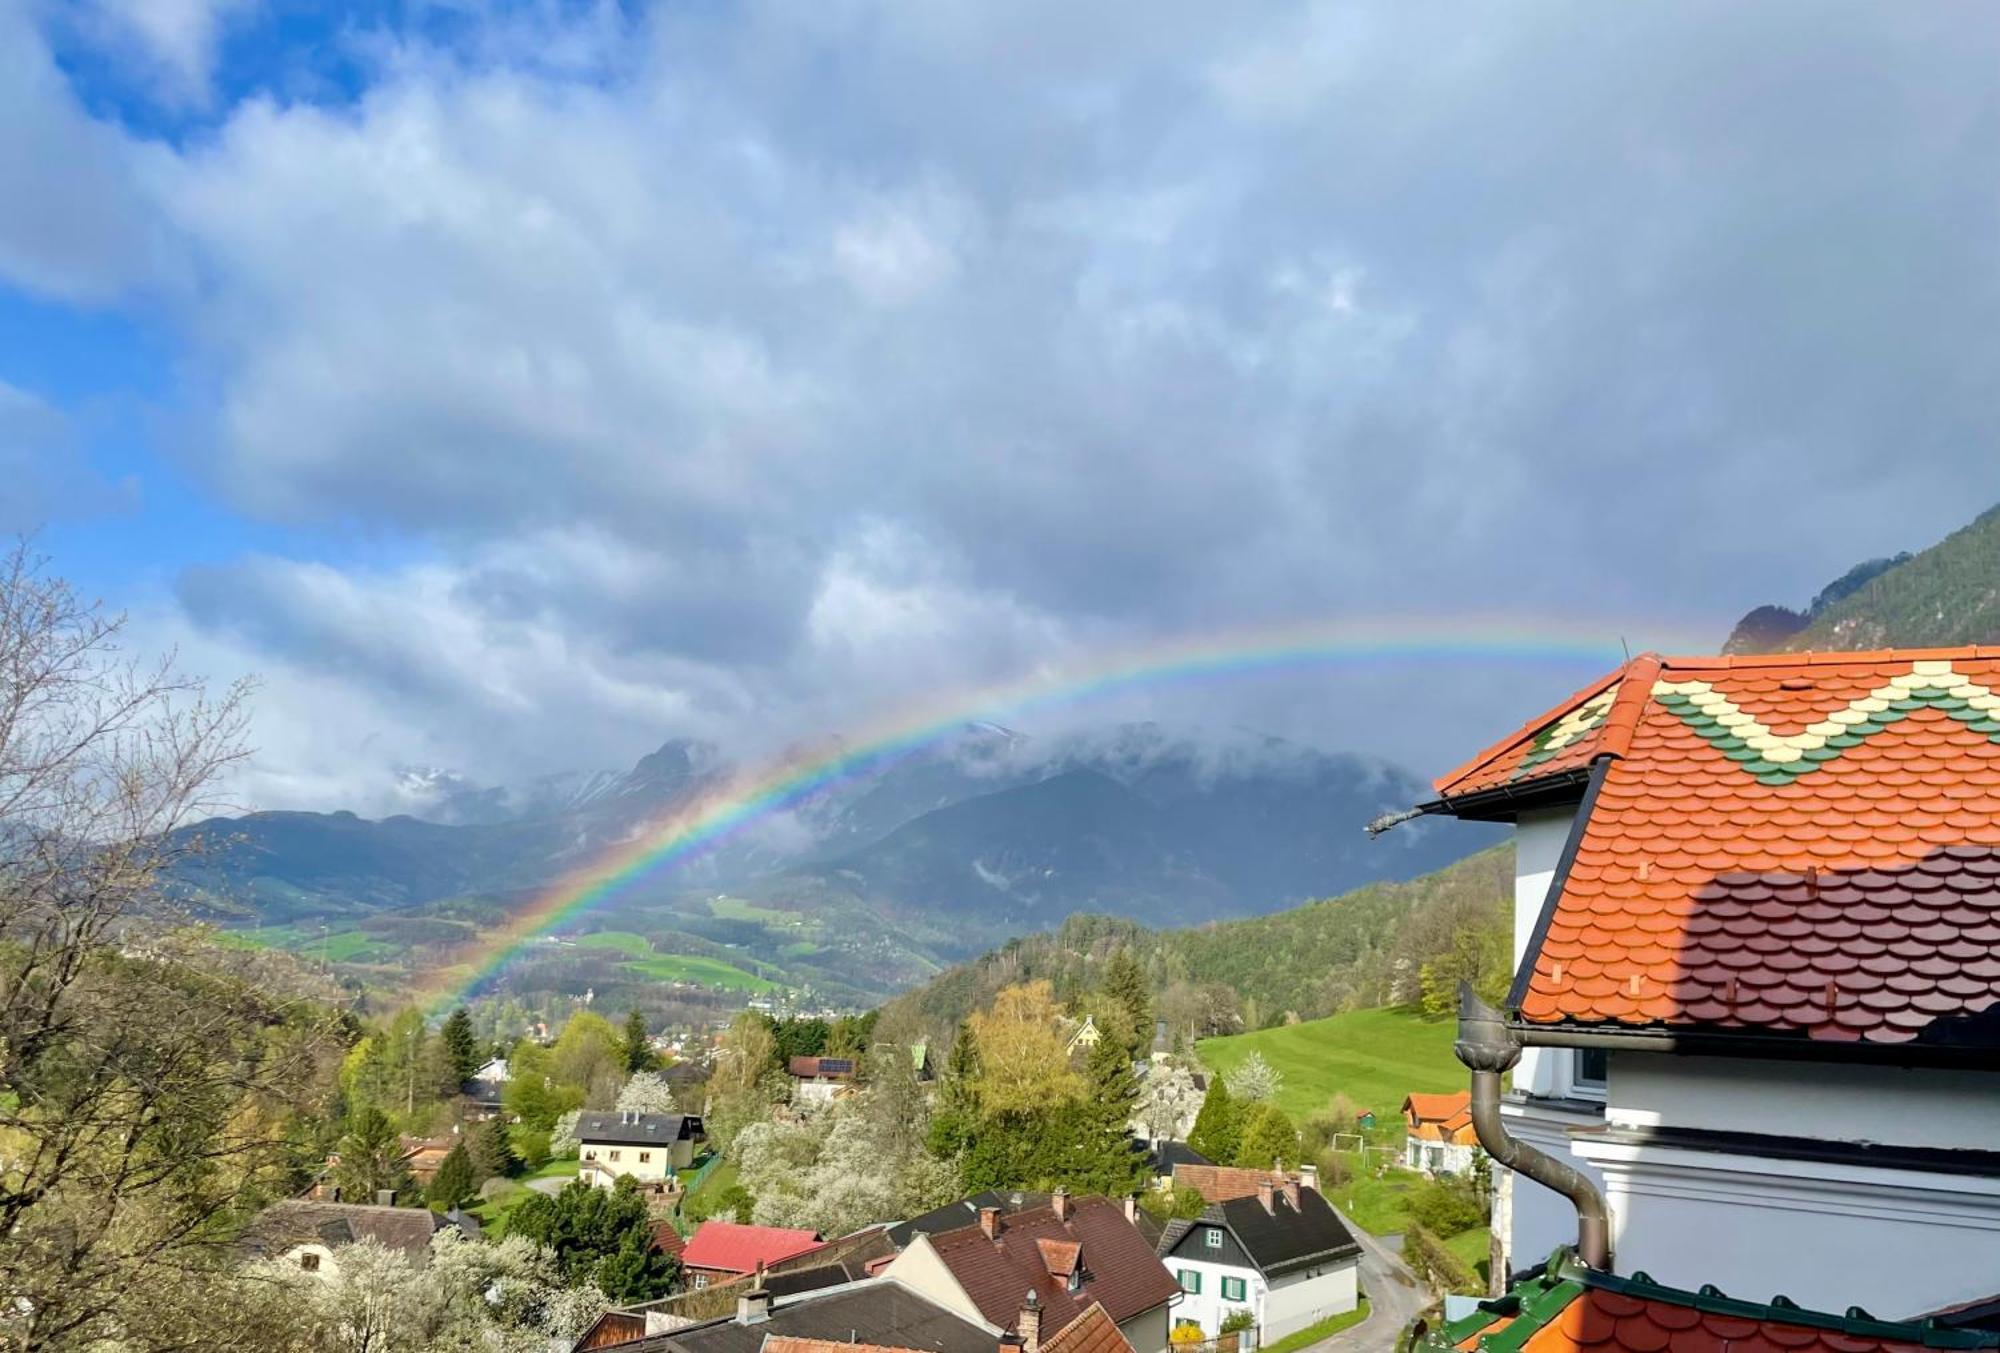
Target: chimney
column 1266, row 1196
column 385, row 1197
column 1029, row 1321
column 1010, row 1342
column 1292, row 1192
column 754, row 1306
column 1132, row 1208
column 1309, row 1177
column 1059, row 1203
column 989, row 1222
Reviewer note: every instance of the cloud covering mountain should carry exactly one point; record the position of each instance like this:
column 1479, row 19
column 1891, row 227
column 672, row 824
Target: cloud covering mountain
column 512, row 385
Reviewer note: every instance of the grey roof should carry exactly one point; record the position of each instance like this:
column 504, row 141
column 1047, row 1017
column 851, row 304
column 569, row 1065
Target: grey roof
column 878, row 1311
column 304, row 1221
column 637, row 1129
column 964, row 1212
column 1166, row 1155
column 1278, row 1241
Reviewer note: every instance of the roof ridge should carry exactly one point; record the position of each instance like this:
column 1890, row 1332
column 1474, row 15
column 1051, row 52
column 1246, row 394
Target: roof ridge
column 1634, row 690
column 1529, row 729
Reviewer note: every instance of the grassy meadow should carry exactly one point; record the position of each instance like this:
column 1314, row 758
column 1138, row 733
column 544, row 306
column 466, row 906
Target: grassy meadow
column 1374, row 1057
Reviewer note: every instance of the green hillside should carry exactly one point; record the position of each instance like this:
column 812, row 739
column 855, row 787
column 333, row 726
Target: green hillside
column 1374, row 1057
column 1358, row 950
column 1946, row 595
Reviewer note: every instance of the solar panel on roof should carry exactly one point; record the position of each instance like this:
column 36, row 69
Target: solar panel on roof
column 836, row 1066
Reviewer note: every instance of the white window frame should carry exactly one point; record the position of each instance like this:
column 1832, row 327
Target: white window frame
column 1212, row 1237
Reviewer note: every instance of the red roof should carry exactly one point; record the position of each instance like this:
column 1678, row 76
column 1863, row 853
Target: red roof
column 1801, row 843
column 734, row 1248
column 1559, row 740
column 667, row 1240
column 1226, row 1183
column 1119, row 1266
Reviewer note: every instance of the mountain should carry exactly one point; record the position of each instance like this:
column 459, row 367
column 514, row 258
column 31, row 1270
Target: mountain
column 874, row 885
column 1946, row 595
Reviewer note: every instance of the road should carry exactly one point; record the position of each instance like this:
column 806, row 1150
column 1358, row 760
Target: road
column 1395, row 1298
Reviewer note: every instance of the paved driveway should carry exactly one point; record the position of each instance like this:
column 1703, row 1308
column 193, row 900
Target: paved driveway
column 1395, row 1298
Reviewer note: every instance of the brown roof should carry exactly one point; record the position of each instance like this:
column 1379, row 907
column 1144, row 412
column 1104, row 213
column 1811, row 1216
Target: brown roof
column 1092, row 1332
column 1222, row 1183
column 1119, row 1268
column 790, row 1343
column 305, row 1221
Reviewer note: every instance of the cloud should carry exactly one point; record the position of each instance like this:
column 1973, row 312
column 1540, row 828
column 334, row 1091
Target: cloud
column 172, row 42
column 752, row 369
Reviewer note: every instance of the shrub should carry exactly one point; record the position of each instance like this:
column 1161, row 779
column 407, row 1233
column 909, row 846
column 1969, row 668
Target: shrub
column 532, row 1146
column 1436, row 1265
column 1335, row 1171
column 1445, row 1207
column 1236, row 1320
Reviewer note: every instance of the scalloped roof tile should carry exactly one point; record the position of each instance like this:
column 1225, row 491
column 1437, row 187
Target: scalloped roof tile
column 1806, row 844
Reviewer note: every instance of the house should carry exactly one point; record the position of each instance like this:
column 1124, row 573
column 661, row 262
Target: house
column 1222, row 1183
column 484, row 1089
column 1068, row 1254
column 719, row 1251
column 310, row 1233
column 1164, row 1158
column 424, row 1156
column 1754, row 1027
column 816, row 1080
column 1437, row 1133
column 1281, row 1254
column 1084, row 1037
column 648, row 1146
column 878, row 1312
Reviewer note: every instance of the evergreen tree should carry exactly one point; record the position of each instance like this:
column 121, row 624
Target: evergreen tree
column 1101, row 1155
column 1218, row 1128
column 635, row 1271
column 1125, row 984
column 371, row 1158
column 492, row 1151
column 638, row 1047
column 1268, row 1138
column 955, row 1115
column 453, row 1184
column 461, row 1046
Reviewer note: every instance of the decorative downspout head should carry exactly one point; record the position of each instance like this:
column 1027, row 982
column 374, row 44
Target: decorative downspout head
column 1485, row 1043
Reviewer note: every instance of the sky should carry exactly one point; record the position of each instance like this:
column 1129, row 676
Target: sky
column 508, row 388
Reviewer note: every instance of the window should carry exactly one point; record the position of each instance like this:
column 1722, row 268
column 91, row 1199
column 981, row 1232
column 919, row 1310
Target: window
column 700, row 1281
column 1232, row 1289
column 615, row 1155
column 1592, row 1067
column 1212, row 1237
column 589, row 1153
column 645, row 1156
column 309, row 1262
column 1190, row 1282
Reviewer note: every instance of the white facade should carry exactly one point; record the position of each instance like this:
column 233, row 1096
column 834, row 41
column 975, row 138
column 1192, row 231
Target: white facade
column 602, row 1162
column 1438, row 1157
column 1211, row 1290
column 1792, row 1213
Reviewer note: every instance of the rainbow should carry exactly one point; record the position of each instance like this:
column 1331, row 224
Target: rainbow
column 788, row 782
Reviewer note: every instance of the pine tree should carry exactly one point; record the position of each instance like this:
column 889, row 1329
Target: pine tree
column 1125, row 983
column 1268, row 1138
column 371, row 1158
column 955, row 1115
column 461, row 1046
column 1218, row 1128
column 492, row 1151
column 635, row 1271
column 638, row 1047
column 453, row 1184
column 1101, row 1155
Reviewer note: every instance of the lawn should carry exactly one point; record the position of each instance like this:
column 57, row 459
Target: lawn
column 624, row 941
column 1472, row 1248
column 1378, row 1204
column 710, row 972
column 493, row 1212
column 1312, row 1334
column 736, row 909
column 1374, row 1057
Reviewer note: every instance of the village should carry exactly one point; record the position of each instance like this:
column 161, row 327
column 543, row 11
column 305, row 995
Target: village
column 1752, row 988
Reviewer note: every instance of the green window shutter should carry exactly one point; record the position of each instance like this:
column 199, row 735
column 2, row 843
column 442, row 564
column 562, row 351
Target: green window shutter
column 1232, row 1289
column 1190, row 1282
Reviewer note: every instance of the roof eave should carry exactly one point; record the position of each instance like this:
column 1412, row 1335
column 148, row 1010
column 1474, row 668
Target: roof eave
column 1501, row 803
column 1709, row 1041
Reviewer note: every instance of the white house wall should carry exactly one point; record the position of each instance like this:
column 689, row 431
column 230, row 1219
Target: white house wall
column 1538, row 845
column 1206, row 1307
column 1829, row 1236
column 1955, row 1110
column 1297, row 1300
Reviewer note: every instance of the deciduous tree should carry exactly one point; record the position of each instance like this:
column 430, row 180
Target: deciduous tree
column 1023, row 1065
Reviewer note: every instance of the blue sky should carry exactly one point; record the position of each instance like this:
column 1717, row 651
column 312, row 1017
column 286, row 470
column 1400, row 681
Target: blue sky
column 511, row 387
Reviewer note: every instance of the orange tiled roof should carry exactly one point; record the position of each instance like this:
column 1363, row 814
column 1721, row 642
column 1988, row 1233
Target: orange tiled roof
column 1563, row 739
column 1440, row 1118
column 1226, row 1183
column 1801, row 843
column 1092, row 1332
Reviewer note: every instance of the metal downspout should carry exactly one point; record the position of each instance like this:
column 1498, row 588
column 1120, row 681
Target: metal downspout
column 1488, row 1048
